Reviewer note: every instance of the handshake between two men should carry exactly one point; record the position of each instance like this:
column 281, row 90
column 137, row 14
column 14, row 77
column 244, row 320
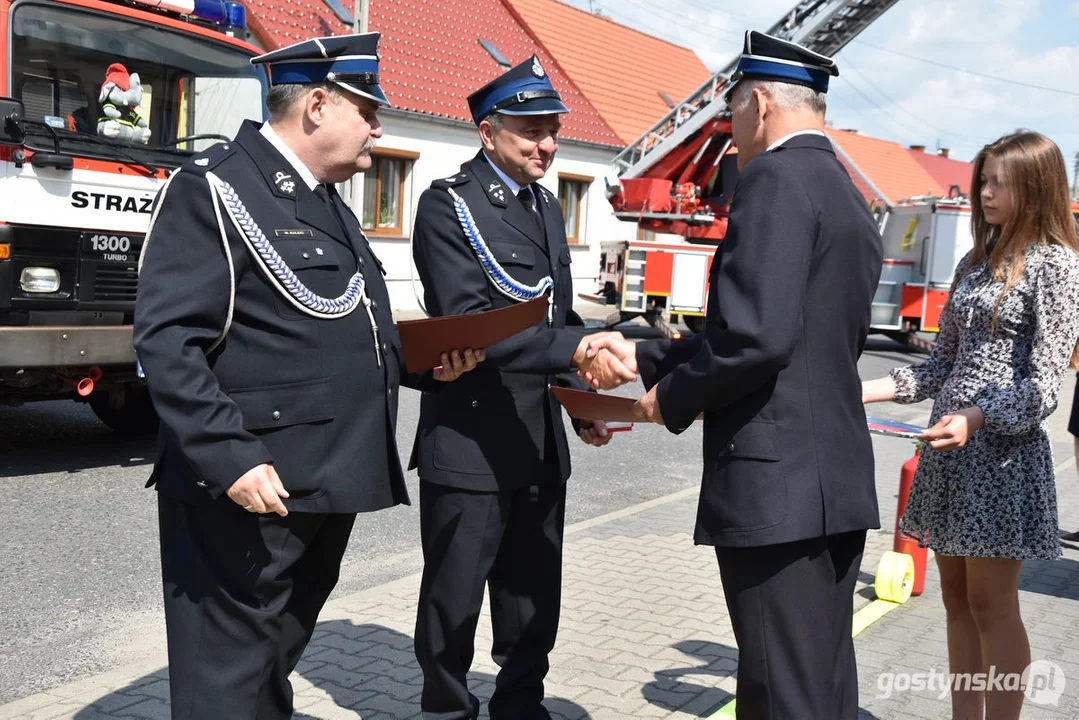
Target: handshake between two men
column 606, row 360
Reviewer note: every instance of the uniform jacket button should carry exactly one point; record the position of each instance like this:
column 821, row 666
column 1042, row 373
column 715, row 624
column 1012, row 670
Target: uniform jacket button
column 307, row 256
column 730, row 447
column 475, row 403
column 513, row 254
column 201, row 484
column 360, row 262
column 276, row 415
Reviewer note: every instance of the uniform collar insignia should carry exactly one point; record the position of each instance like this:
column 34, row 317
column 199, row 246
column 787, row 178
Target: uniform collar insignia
column 284, row 182
column 497, row 192
column 202, row 162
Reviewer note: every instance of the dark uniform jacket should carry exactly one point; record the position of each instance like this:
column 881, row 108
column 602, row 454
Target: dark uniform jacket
column 497, row 427
column 304, row 393
column 787, row 455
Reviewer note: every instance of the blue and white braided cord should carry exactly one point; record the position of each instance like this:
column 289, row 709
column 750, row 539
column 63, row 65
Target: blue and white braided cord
column 318, row 305
column 501, row 279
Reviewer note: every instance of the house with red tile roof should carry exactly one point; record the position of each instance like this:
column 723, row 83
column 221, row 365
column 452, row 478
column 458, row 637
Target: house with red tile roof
column 590, row 49
column 945, row 170
column 881, row 169
column 437, row 52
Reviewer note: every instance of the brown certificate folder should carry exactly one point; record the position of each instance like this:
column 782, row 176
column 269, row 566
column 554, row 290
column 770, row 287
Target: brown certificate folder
column 424, row 341
column 584, row 405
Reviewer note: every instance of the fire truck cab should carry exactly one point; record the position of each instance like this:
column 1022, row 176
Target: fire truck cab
column 80, row 165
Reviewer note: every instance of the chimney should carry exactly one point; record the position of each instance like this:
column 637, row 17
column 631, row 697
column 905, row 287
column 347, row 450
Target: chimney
column 943, row 152
column 918, row 148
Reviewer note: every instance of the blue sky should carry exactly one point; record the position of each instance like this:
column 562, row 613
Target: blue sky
column 887, row 95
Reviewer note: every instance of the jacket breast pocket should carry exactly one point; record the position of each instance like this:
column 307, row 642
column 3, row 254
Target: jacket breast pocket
column 294, row 422
column 316, row 264
column 745, row 487
column 514, row 254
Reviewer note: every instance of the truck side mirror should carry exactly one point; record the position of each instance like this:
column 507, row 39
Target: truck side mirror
column 12, row 130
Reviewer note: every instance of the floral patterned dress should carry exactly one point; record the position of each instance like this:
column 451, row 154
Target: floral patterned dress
column 996, row 497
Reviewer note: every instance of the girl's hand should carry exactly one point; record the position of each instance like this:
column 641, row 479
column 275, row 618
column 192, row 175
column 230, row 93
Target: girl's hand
column 953, row 431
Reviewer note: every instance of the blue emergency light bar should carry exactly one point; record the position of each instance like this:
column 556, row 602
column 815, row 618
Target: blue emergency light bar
column 229, row 15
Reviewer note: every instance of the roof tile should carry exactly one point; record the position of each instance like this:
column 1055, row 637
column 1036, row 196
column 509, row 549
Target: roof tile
column 431, row 56
column 620, row 70
column 946, row 171
column 888, row 165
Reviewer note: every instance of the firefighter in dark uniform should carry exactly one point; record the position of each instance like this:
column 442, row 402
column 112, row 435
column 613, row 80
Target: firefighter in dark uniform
column 263, row 325
column 788, row 487
column 491, row 449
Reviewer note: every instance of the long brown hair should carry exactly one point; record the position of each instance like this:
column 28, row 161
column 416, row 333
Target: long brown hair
column 1033, row 172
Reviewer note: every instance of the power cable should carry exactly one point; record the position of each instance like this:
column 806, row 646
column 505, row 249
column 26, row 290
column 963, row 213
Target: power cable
column 968, row 72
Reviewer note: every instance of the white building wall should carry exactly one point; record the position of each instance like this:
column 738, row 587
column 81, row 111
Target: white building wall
column 443, row 148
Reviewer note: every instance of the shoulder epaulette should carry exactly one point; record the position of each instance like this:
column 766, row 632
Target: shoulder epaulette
column 210, row 158
column 448, row 182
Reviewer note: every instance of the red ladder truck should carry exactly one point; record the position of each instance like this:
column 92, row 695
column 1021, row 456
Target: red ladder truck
column 678, row 177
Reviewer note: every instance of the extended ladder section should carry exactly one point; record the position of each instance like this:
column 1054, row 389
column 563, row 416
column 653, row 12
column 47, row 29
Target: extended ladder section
column 823, row 26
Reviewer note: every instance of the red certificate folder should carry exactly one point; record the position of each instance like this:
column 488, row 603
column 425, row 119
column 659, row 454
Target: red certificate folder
column 424, row 341
column 584, row 405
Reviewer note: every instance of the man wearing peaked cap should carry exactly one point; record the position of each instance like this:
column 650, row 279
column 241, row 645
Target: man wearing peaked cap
column 770, row 58
column 491, row 451
column 787, row 488
column 263, row 325
column 348, row 61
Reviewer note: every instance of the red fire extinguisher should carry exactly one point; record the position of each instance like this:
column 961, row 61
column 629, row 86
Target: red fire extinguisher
column 903, row 544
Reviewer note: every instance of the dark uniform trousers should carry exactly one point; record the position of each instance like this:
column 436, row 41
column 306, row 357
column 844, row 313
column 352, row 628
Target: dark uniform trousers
column 492, row 453
column 310, row 395
column 787, row 604
column 787, row 490
column 233, row 579
column 473, row 539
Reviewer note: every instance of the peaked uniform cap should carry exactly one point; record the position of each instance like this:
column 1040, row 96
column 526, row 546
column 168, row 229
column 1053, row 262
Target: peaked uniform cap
column 522, row 90
column 349, row 61
column 765, row 57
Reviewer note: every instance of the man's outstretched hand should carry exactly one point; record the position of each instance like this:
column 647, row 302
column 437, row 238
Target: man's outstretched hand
column 606, row 360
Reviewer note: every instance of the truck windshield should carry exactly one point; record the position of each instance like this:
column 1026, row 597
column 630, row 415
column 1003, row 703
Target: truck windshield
column 96, row 84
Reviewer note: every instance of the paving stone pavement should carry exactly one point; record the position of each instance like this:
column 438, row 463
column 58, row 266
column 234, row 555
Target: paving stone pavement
column 644, row 632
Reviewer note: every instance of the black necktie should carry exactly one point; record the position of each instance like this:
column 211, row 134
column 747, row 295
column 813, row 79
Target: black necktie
column 528, row 200
column 328, row 194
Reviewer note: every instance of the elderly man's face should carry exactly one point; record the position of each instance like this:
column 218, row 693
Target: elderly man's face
column 352, row 122
column 524, row 146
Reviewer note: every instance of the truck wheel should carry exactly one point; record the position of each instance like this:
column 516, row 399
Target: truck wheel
column 694, row 322
column 135, row 416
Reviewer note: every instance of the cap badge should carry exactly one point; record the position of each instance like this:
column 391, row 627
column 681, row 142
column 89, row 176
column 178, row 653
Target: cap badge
column 537, row 69
column 378, row 49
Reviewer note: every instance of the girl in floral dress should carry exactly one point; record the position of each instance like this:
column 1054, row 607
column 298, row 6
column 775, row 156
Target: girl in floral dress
column 984, row 497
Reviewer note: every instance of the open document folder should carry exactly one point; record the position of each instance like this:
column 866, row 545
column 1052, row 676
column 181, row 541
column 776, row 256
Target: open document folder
column 424, row 341
column 584, row 405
